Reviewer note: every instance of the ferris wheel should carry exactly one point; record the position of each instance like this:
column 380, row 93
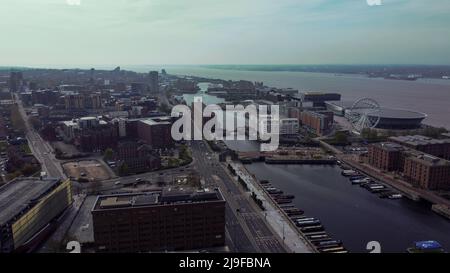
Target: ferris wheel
column 364, row 114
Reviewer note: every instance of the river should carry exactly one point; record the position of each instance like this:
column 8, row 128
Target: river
column 349, row 213
column 430, row 96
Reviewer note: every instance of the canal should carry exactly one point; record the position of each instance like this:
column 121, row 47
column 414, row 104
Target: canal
column 353, row 214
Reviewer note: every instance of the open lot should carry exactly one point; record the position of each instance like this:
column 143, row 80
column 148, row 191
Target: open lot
column 91, row 170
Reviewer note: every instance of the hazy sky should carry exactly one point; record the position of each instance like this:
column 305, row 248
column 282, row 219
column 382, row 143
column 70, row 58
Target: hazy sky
column 121, row 32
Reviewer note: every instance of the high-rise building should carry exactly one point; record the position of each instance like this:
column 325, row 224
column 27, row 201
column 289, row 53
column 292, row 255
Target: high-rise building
column 168, row 220
column 15, row 81
column 154, row 81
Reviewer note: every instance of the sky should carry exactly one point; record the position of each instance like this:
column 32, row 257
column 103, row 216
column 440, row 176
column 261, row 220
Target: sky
column 144, row 32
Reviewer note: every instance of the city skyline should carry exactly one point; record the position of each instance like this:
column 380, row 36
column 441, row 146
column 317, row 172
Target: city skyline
column 56, row 33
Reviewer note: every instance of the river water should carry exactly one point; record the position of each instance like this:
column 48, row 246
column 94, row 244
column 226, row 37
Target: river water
column 429, row 96
column 349, row 213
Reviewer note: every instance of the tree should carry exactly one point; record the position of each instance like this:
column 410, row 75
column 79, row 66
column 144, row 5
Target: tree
column 341, row 137
column 109, row 153
column 28, row 169
column 369, row 134
column 123, row 169
column 434, row 132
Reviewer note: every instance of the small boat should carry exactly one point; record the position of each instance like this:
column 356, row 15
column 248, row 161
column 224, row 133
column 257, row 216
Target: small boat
column 395, row 196
column 283, row 201
column 359, row 181
column 308, row 223
column 311, row 228
column 349, row 172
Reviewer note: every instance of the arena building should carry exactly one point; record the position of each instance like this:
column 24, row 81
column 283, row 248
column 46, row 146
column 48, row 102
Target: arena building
column 390, row 118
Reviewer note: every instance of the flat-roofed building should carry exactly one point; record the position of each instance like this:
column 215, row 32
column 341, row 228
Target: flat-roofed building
column 427, row 171
column 27, row 208
column 319, row 122
column 167, row 220
column 155, row 132
column 386, row 156
column 289, row 126
column 432, row 146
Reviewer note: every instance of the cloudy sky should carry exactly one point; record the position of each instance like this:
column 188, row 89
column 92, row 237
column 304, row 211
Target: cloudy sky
column 133, row 32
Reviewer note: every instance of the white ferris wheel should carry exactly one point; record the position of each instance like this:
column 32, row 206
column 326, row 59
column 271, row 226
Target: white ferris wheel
column 364, row 114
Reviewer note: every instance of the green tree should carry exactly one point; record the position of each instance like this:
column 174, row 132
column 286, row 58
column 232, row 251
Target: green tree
column 124, row 169
column 109, row 153
column 341, row 137
column 28, row 170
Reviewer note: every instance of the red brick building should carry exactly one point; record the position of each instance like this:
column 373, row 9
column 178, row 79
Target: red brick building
column 155, row 132
column 427, row 171
column 436, row 147
column 386, row 156
column 421, row 170
column 138, row 157
column 99, row 138
column 319, row 122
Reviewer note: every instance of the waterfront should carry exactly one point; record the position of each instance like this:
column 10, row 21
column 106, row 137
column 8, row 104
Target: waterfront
column 353, row 214
column 425, row 95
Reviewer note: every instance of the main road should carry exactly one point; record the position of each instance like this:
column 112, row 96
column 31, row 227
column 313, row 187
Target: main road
column 246, row 228
column 40, row 148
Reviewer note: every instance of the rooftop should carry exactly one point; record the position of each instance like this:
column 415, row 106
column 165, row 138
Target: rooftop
column 384, row 112
column 154, row 122
column 18, row 194
column 156, row 198
column 416, row 140
column 427, row 159
column 390, row 146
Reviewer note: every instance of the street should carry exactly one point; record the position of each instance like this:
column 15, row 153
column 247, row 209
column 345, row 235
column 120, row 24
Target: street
column 245, row 225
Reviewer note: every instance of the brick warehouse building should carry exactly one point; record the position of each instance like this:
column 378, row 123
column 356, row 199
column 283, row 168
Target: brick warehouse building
column 427, row 171
column 159, row 221
column 386, row 156
column 155, row 132
column 319, row 122
column 138, row 157
column 436, row 147
column 421, row 170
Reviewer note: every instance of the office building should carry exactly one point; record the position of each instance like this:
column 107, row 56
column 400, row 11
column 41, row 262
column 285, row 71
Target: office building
column 168, row 220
